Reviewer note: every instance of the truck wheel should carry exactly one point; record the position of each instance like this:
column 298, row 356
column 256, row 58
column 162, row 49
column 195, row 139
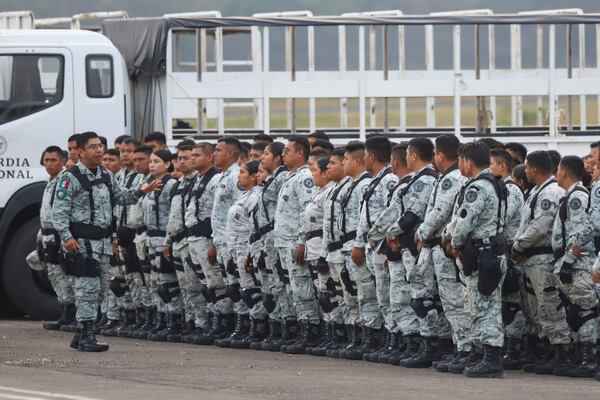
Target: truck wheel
column 29, row 291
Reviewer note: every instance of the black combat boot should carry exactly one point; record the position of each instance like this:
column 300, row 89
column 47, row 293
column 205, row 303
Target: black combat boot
column 370, row 344
column 339, row 339
column 256, row 333
column 140, row 315
column 161, row 335
column 310, row 337
column 352, row 339
column 464, row 360
column 413, row 344
column 67, row 317
column 397, row 346
column 546, row 364
column 489, row 367
column 240, row 331
column 75, row 340
column 585, row 367
column 160, row 324
column 457, row 362
column 71, row 323
column 535, row 350
column 289, row 333
column 385, row 343
column 149, row 321
column 87, row 339
column 188, row 329
column 273, row 341
column 175, row 329
column 101, row 323
column 218, row 329
column 110, row 328
column 424, row 357
column 326, row 338
column 446, row 359
column 127, row 324
column 512, row 357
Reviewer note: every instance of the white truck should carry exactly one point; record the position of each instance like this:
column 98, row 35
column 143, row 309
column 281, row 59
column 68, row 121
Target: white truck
column 54, row 83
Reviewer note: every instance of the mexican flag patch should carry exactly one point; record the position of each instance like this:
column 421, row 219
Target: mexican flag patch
column 64, row 183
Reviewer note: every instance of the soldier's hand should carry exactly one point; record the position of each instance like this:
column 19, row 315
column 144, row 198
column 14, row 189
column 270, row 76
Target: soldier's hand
column 393, row 244
column 167, row 252
column 299, row 256
column 248, row 265
column 71, row 245
column 212, row 254
column 596, row 277
column 517, row 257
column 576, row 251
column 149, row 187
column 358, row 256
column 456, row 252
column 418, row 242
column 115, row 247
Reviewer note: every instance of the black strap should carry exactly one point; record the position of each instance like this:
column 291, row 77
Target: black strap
column 87, row 185
column 563, row 212
column 197, row 194
column 535, row 198
column 333, row 197
column 371, row 189
column 453, row 167
column 401, row 182
column 128, row 183
column 313, row 234
column 537, row 251
column 182, row 188
column 499, row 188
column 424, row 172
column 266, row 185
column 157, row 194
column 348, row 195
column 54, row 191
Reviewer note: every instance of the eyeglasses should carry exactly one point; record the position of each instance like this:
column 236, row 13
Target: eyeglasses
column 95, row 147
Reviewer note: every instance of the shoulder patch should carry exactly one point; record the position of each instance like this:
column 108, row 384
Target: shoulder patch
column 308, row 182
column 364, row 188
column 545, row 204
column 446, row 184
column 419, row 186
column 575, row 204
column 597, row 192
column 62, row 194
column 471, row 196
column 64, row 183
column 390, row 185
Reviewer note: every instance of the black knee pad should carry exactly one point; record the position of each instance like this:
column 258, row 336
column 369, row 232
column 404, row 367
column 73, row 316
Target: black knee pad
column 422, row 306
column 233, row 292
column 509, row 310
column 118, row 286
column 269, row 302
column 326, row 304
column 249, row 296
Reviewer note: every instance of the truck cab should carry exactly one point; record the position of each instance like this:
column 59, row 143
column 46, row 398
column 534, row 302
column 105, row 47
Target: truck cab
column 53, row 83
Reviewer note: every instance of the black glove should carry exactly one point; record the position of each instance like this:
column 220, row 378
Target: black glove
column 566, row 273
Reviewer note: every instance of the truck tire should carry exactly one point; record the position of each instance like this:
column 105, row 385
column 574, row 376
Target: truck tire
column 28, row 290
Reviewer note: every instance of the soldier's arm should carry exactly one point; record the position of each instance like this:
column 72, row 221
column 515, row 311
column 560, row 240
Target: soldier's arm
column 468, row 213
column 305, row 192
column 384, row 222
column 583, row 231
column 540, row 226
column 440, row 213
column 124, row 196
column 594, row 212
column 63, row 202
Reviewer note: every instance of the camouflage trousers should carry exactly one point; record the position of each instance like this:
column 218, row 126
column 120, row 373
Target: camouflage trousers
column 215, row 281
column 329, row 284
column 581, row 293
column 250, row 286
column 278, row 283
column 61, row 283
column 485, row 311
column 549, row 316
column 137, row 280
column 90, row 291
column 223, row 259
column 451, row 292
column 191, row 280
column 301, row 286
column 350, row 289
column 168, row 284
column 513, row 311
column 379, row 272
column 366, row 293
column 405, row 319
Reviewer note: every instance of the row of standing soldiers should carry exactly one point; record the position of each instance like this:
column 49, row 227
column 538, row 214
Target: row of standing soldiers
column 418, row 254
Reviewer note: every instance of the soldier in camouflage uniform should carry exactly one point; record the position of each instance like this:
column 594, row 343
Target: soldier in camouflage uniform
column 177, row 244
column 533, row 251
column 477, row 238
column 163, row 279
column 512, row 312
column 276, row 296
column 296, row 192
column 227, row 192
column 403, row 317
column 429, row 234
column 377, row 159
column 206, row 278
column 82, row 214
column 49, row 241
column 573, row 244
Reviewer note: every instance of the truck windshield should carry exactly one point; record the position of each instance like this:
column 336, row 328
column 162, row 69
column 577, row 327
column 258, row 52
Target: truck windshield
column 29, row 83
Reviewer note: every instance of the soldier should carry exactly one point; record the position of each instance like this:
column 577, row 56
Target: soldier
column 82, row 215
column 573, row 245
column 533, row 251
column 276, row 297
column 176, row 247
column 296, row 192
column 402, row 315
column 111, row 160
column 377, row 158
column 239, row 226
column 73, row 153
column 163, row 280
column 316, row 252
column 226, row 157
column 514, row 319
column 207, row 283
column 429, row 235
column 477, row 239
column 49, row 241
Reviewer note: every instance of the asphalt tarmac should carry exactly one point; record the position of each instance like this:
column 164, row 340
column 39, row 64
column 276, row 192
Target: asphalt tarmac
column 38, row 364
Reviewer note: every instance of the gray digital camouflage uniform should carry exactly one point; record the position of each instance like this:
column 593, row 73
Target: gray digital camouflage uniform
column 72, row 205
column 296, row 192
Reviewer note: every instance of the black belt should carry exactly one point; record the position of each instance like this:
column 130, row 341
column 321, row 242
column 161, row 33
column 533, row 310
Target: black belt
column 313, row 234
column 140, row 230
column 201, row 229
column 255, row 237
column 179, row 236
column 80, row 230
column 538, row 251
column 433, row 242
column 340, row 243
column 156, row 233
column 49, row 231
column 265, row 229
